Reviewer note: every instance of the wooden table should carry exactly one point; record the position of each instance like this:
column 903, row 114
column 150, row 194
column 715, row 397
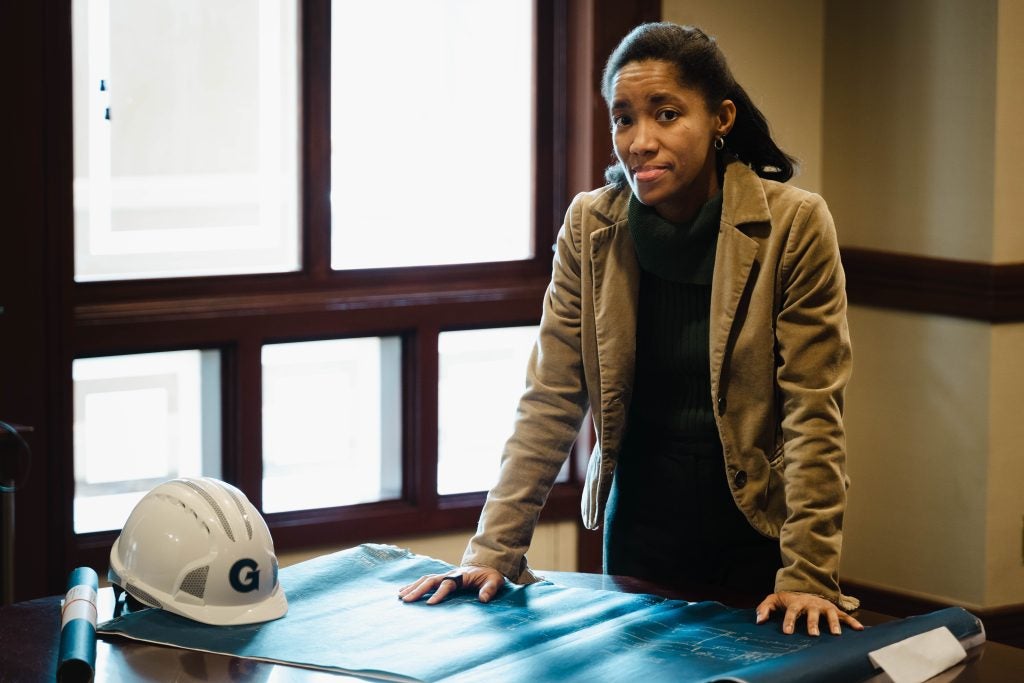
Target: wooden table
column 30, row 637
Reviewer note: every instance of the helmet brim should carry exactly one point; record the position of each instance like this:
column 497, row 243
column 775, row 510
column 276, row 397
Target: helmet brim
column 274, row 606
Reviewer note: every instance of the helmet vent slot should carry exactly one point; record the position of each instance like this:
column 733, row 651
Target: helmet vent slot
column 194, row 582
column 142, row 596
column 241, row 511
column 213, row 504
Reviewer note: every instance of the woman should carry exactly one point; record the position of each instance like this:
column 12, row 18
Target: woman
column 697, row 304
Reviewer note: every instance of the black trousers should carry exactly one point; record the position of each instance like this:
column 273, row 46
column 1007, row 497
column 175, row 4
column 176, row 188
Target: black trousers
column 671, row 519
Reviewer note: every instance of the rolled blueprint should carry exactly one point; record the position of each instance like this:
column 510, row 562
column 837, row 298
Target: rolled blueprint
column 76, row 658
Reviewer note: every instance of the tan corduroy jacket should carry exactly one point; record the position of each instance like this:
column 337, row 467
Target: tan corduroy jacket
column 780, row 360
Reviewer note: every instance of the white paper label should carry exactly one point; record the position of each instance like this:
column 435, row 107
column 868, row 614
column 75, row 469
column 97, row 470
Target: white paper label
column 79, row 603
column 919, row 657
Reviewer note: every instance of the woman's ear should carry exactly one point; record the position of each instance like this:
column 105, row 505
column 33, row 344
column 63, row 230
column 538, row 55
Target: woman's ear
column 726, row 116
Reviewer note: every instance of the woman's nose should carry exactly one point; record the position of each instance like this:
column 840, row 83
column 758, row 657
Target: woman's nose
column 644, row 138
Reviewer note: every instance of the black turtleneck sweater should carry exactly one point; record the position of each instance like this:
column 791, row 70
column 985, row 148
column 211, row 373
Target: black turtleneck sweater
column 672, row 389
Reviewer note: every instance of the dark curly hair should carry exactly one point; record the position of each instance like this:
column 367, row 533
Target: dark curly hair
column 701, row 65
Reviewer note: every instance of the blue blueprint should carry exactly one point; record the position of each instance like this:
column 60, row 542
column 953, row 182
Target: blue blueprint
column 344, row 615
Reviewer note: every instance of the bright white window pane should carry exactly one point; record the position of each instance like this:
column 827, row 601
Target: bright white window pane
column 139, row 420
column 331, row 423
column 481, row 377
column 431, row 132
column 185, row 137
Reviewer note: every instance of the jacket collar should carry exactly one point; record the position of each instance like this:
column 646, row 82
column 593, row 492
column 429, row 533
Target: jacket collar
column 744, row 200
column 611, row 204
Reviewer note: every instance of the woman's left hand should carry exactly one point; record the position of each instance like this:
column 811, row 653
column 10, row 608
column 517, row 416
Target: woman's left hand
column 812, row 606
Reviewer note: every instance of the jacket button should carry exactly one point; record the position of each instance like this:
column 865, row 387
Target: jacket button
column 740, row 479
column 721, row 404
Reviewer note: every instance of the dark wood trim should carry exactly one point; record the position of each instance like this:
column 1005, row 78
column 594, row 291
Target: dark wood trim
column 29, row 309
column 424, row 421
column 598, row 27
column 1002, row 624
column 243, row 462
column 58, row 255
column 315, row 113
column 549, row 105
column 993, row 292
column 139, row 311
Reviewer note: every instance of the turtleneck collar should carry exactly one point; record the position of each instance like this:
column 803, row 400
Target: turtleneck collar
column 678, row 252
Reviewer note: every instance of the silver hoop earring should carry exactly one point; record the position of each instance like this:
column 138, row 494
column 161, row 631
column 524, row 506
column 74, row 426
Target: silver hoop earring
column 719, row 143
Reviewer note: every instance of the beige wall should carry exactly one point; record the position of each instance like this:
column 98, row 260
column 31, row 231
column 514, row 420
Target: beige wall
column 910, row 125
column 1004, row 537
column 917, row 429
column 1009, row 121
column 934, row 407
column 912, row 116
column 774, row 50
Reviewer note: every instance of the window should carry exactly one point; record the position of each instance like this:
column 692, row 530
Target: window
column 140, row 420
column 331, row 423
column 431, row 116
column 186, row 138
column 476, row 417
column 274, row 284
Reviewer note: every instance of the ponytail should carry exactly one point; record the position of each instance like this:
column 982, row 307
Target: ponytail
column 751, row 141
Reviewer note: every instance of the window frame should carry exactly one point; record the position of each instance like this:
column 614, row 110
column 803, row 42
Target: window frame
column 238, row 313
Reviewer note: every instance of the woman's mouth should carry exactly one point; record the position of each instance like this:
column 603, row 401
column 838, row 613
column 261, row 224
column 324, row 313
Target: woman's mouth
column 646, row 174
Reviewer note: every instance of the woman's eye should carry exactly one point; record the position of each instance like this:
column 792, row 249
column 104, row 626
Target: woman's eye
column 668, row 115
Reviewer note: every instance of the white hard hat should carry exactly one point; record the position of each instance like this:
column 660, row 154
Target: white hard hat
column 198, row 548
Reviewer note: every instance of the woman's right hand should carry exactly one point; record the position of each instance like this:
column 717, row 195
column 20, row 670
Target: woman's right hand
column 487, row 580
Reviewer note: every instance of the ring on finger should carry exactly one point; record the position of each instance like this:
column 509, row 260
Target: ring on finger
column 454, row 578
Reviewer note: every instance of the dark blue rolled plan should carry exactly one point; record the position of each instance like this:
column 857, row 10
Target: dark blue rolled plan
column 76, row 658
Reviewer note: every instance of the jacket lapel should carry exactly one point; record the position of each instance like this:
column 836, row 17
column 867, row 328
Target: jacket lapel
column 744, row 202
column 616, row 278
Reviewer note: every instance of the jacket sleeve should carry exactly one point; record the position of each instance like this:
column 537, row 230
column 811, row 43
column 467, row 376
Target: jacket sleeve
column 548, row 419
column 814, row 365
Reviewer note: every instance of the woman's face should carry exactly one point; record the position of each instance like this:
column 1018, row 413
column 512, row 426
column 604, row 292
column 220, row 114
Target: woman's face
column 664, row 138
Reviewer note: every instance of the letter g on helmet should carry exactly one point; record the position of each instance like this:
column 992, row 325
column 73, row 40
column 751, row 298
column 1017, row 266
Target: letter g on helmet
column 251, row 581
column 198, row 548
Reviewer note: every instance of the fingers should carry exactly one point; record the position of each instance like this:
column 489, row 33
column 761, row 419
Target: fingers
column 765, row 609
column 488, row 582
column 810, row 607
column 420, row 587
column 444, row 589
column 490, row 588
column 851, row 622
column 813, row 616
column 836, row 618
column 794, row 612
column 833, row 623
column 789, row 621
